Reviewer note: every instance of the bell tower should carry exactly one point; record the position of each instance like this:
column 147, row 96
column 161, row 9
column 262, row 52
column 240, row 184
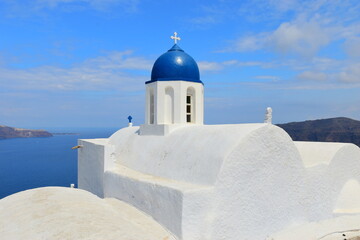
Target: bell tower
column 175, row 93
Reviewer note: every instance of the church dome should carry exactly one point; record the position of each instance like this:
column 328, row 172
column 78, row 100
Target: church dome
column 175, row 65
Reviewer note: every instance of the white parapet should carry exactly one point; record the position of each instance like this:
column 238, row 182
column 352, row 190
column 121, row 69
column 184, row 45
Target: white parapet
column 93, row 159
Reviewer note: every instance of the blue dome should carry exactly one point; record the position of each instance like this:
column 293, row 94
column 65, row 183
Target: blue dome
column 175, row 65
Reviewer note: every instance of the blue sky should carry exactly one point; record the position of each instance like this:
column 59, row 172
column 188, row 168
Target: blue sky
column 66, row 63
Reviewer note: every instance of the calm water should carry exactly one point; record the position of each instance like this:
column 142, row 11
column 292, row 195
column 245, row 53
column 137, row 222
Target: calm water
column 37, row 162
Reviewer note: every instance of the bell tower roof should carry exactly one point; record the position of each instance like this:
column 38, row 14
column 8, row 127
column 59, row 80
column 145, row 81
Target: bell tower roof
column 175, row 65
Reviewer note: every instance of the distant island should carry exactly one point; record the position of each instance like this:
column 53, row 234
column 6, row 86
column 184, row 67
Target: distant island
column 11, row 132
column 60, row 133
column 339, row 129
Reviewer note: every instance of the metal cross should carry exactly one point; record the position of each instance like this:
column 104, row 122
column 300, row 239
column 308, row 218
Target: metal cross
column 129, row 118
column 175, row 37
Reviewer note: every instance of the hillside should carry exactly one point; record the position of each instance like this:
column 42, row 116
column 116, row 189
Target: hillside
column 10, row 132
column 325, row 130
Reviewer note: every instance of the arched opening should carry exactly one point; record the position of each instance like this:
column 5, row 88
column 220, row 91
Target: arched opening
column 190, row 105
column 169, row 106
column 151, row 107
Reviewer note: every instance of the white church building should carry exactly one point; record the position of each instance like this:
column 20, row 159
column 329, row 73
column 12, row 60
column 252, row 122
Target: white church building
column 184, row 180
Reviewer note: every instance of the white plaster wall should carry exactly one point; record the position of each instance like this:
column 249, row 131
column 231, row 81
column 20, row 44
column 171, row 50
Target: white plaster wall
column 259, row 190
column 315, row 153
column 150, row 88
column 255, row 169
column 180, row 91
column 94, row 157
column 225, row 181
column 349, row 198
column 169, row 106
column 193, row 153
column 197, row 214
column 331, row 166
column 179, row 206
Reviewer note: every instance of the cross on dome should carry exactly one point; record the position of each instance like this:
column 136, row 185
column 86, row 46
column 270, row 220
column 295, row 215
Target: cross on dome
column 175, row 37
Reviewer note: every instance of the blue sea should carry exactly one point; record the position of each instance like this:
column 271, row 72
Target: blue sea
column 27, row 163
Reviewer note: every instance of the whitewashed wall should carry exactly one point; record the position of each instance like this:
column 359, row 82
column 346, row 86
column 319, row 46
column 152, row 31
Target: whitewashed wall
column 170, row 106
column 244, row 181
column 94, row 157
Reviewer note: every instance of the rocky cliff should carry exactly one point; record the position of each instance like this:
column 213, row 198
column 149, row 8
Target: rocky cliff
column 10, row 132
column 325, row 130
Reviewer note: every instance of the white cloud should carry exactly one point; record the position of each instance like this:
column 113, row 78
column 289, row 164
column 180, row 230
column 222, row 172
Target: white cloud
column 325, row 64
column 350, row 74
column 310, row 25
column 102, row 73
column 230, row 62
column 306, row 37
column 303, row 38
column 352, row 47
column 120, row 60
column 300, row 38
column 332, row 71
column 250, row 43
column 205, row 66
column 267, row 77
column 253, row 64
column 313, row 76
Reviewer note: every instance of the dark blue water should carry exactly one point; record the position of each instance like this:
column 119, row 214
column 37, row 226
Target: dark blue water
column 27, row 163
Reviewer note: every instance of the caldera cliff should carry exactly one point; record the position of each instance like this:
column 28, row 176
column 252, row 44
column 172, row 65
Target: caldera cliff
column 11, row 132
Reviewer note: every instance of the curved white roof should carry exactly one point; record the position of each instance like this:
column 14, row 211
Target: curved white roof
column 192, row 154
column 316, row 153
column 59, row 213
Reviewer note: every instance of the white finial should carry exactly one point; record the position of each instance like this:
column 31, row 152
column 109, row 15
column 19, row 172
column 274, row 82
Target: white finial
column 268, row 115
column 175, row 37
